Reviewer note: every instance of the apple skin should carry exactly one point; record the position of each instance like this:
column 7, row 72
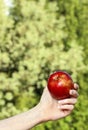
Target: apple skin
column 59, row 84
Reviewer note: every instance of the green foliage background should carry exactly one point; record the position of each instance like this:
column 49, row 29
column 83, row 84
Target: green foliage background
column 38, row 37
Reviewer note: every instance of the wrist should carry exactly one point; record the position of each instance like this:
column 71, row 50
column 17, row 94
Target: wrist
column 43, row 115
column 38, row 114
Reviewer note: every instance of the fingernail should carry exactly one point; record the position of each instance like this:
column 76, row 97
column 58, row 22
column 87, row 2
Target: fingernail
column 71, row 92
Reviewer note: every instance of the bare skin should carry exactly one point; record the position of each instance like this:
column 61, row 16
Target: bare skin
column 48, row 109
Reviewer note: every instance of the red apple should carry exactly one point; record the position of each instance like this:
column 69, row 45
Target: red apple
column 59, row 84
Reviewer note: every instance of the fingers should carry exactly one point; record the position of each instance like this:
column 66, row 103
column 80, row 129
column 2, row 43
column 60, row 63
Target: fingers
column 67, row 104
column 66, row 107
column 74, row 93
column 70, row 101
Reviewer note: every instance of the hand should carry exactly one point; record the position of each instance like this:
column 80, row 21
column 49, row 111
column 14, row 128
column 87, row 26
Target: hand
column 53, row 109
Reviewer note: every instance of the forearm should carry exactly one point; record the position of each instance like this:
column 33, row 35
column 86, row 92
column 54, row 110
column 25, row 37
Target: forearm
column 23, row 121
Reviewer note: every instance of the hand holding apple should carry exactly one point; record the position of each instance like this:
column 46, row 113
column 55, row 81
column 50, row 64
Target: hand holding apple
column 53, row 109
column 60, row 86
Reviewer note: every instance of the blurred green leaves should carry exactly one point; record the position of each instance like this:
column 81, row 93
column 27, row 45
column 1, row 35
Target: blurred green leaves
column 37, row 38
